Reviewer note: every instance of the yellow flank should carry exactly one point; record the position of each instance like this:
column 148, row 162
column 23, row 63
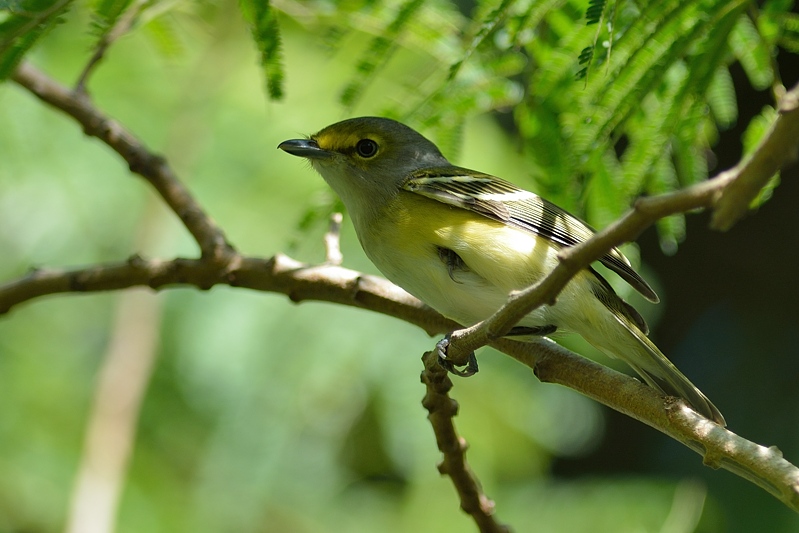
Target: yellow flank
column 505, row 256
column 499, row 258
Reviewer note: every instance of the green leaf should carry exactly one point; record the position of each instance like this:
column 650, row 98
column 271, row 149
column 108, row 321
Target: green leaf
column 753, row 54
column 721, row 98
column 661, row 37
column 594, row 12
column 25, row 24
column 755, row 131
column 163, row 33
column 671, row 229
column 489, row 24
column 789, row 36
column 379, row 52
column 603, row 203
column 262, row 19
column 757, row 128
column 106, row 13
column 522, row 28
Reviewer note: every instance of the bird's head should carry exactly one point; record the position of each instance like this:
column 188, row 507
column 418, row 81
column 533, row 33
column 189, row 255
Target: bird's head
column 366, row 160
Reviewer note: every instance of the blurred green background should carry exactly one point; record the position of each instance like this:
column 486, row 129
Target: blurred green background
column 261, row 415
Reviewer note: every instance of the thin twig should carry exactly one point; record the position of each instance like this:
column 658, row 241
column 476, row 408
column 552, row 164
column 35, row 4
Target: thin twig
column 140, row 159
column 442, row 410
column 122, row 26
column 333, row 254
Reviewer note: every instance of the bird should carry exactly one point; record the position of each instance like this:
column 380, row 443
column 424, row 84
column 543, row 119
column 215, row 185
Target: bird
column 462, row 241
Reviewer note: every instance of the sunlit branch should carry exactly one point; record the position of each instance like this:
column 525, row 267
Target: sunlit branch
column 279, row 274
column 719, row 447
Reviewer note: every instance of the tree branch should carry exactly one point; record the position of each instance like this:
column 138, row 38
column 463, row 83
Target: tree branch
column 142, row 161
column 551, row 362
column 442, row 410
column 279, row 274
column 719, row 447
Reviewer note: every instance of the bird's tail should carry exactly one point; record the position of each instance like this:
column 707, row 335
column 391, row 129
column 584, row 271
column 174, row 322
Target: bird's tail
column 635, row 348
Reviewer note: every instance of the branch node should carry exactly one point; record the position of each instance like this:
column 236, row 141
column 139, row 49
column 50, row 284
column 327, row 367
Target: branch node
column 76, row 284
column 789, row 101
column 712, row 460
column 136, row 261
column 642, row 204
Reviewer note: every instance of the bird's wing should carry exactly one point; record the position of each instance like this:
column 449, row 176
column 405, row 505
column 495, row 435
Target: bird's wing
column 504, row 202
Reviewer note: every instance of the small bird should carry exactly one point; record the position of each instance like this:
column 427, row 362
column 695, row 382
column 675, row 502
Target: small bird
column 461, row 241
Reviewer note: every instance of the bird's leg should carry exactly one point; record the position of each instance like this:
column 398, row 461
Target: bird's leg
column 471, row 365
column 453, row 261
column 441, row 349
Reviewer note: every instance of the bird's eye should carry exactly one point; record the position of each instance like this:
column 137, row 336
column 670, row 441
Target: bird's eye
column 366, row 148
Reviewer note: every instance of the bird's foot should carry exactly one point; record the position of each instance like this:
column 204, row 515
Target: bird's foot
column 471, row 365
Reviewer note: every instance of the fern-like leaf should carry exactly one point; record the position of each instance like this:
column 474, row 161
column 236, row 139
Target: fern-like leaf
column 378, row 53
column 162, row 32
column 680, row 107
column 523, row 27
column 789, row 34
column 671, row 229
column 24, row 25
column 595, row 10
column 751, row 51
column 105, row 15
column 721, row 98
column 666, row 38
column 266, row 33
column 494, row 19
column 585, row 58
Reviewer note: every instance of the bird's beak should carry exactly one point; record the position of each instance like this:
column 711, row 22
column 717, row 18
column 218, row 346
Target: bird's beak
column 304, row 148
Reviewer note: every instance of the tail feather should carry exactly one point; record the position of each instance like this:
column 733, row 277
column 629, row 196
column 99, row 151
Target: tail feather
column 616, row 328
column 660, row 373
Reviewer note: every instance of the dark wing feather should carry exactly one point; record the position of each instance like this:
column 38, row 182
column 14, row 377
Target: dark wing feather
column 504, row 202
